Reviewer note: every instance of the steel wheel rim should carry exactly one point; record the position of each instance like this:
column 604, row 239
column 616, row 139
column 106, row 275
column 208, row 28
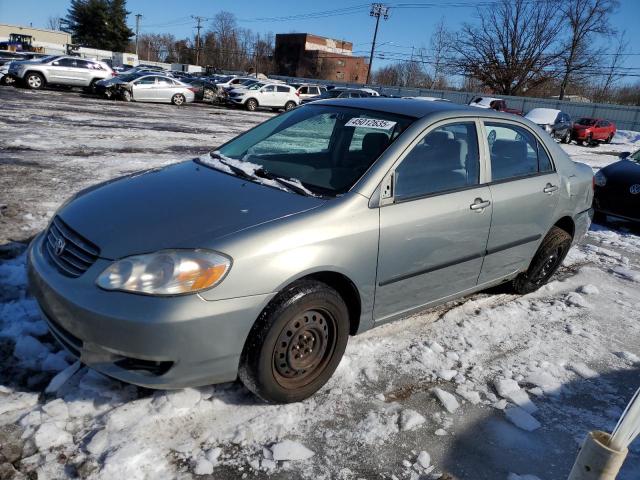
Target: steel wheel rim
column 304, row 348
column 549, row 266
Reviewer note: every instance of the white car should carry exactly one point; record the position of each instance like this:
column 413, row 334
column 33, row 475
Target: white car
column 269, row 95
column 157, row 88
column 428, row 99
column 370, row 91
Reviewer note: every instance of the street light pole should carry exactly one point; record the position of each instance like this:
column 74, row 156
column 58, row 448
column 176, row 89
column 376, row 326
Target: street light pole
column 138, row 16
column 377, row 10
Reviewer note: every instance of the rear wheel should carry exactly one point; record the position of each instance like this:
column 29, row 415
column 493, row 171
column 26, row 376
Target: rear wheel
column 289, row 106
column 252, row 105
column 34, row 81
column 178, row 99
column 545, row 262
column 609, row 138
column 296, row 343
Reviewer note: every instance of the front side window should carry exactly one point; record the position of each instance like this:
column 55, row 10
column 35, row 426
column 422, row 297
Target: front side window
column 515, row 152
column 327, row 148
column 146, row 81
column 65, row 62
column 446, row 159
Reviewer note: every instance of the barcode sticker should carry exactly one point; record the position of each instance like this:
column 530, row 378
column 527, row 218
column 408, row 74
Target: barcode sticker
column 371, row 123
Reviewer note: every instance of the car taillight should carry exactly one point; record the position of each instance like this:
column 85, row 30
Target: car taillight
column 298, row 93
column 114, row 74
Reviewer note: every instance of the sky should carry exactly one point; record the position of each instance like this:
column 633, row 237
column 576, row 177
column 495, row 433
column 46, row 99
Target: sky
column 407, row 26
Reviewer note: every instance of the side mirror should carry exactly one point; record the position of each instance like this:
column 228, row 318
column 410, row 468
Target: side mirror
column 623, row 155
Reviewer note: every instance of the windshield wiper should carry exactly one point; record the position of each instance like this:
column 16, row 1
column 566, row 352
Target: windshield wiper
column 236, row 170
column 262, row 173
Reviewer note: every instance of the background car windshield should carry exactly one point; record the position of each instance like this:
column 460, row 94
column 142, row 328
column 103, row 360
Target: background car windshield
column 586, row 121
column 327, row 148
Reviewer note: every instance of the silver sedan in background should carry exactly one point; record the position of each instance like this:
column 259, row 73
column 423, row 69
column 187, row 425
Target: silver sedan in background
column 156, row 88
column 260, row 259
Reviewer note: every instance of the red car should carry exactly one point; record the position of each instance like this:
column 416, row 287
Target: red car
column 593, row 130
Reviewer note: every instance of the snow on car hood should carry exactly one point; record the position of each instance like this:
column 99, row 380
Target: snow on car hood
column 185, row 205
column 542, row 116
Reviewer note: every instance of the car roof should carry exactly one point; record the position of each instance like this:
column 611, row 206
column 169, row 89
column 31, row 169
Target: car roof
column 400, row 106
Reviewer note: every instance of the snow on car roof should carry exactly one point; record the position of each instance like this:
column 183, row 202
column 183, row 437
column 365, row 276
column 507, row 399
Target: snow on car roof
column 542, row 115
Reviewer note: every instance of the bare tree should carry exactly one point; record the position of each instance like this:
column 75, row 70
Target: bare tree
column 511, row 49
column 613, row 71
column 440, row 46
column 54, row 23
column 586, row 20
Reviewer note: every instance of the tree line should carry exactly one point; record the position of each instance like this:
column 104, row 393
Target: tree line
column 514, row 47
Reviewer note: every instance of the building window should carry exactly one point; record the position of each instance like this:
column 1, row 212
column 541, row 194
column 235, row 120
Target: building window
column 340, row 75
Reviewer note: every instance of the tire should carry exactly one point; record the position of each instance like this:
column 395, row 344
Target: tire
column 609, row 138
column 251, row 104
column 589, row 141
column 6, row 80
column 308, row 314
column 178, row 99
column 289, row 106
column 567, row 137
column 92, row 86
column 550, row 254
column 34, row 81
column 126, row 96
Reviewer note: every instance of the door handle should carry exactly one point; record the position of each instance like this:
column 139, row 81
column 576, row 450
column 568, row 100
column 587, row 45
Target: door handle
column 479, row 205
column 549, row 189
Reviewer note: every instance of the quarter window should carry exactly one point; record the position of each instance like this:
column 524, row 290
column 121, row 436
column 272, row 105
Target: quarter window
column 515, row 152
column 445, row 159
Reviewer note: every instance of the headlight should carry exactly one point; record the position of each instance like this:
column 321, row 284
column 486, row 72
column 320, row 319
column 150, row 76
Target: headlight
column 600, row 179
column 167, row 272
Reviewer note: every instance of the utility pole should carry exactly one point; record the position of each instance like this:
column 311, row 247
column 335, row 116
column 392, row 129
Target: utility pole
column 377, row 10
column 138, row 16
column 198, row 27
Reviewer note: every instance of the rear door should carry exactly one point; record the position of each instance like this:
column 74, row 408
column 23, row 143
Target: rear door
column 165, row 89
column 435, row 225
column 524, row 190
column 84, row 72
column 284, row 93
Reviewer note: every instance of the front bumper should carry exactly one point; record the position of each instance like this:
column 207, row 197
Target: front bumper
column 155, row 342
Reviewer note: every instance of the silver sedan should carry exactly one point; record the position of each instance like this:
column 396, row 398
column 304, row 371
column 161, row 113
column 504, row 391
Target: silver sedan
column 259, row 260
column 157, row 88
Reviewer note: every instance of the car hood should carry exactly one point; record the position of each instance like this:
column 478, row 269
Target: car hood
column 185, row 205
column 542, row 116
column 627, row 170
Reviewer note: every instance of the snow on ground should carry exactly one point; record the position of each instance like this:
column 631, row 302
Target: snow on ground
column 495, row 386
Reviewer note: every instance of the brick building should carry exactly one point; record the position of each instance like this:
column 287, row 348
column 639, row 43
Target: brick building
column 312, row 56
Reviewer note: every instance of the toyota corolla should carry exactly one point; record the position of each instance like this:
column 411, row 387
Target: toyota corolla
column 260, row 259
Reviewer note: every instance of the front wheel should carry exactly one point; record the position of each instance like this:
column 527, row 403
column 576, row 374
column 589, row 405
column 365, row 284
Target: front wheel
column 546, row 261
column 609, row 138
column 178, row 99
column 296, row 344
column 289, row 106
column 34, row 81
column 567, row 137
column 127, row 96
column 251, row 105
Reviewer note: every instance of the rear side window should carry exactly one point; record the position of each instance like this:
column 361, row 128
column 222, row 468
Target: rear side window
column 445, row 159
column 515, row 152
column 283, row 88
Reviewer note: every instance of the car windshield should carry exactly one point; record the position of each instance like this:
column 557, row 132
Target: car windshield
column 256, row 86
column 586, row 122
column 323, row 148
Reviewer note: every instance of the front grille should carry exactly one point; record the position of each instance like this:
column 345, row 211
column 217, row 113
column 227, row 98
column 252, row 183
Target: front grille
column 70, row 253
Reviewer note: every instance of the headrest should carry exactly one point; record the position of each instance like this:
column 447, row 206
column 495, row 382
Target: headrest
column 514, row 149
column 374, row 143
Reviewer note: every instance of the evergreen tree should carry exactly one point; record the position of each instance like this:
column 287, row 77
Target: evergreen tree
column 99, row 24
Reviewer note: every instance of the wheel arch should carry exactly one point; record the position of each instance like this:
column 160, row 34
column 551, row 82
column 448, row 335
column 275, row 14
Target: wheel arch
column 252, row 98
column 567, row 224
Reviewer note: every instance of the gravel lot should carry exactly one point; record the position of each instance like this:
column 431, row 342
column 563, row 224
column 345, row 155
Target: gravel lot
column 570, row 348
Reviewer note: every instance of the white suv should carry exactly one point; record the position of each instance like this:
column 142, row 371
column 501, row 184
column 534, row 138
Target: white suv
column 270, row 95
column 70, row 71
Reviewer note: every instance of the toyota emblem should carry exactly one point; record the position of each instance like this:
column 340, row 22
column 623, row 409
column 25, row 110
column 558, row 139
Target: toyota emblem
column 635, row 189
column 58, row 246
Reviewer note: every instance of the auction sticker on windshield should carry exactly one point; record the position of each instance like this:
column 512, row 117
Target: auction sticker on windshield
column 371, row 123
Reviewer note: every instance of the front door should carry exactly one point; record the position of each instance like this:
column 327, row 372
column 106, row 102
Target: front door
column 433, row 233
column 524, row 190
column 143, row 89
column 268, row 96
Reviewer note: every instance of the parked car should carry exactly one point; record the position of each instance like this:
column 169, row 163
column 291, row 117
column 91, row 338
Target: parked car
column 5, row 78
column 555, row 122
column 156, row 88
column 205, row 90
column 110, row 87
column 259, row 260
column 428, row 99
column 306, row 90
column 338, row 93
column 617, row 189
column 62, row 70
column 593, row 130
column 276, row 96
column 497, row 104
